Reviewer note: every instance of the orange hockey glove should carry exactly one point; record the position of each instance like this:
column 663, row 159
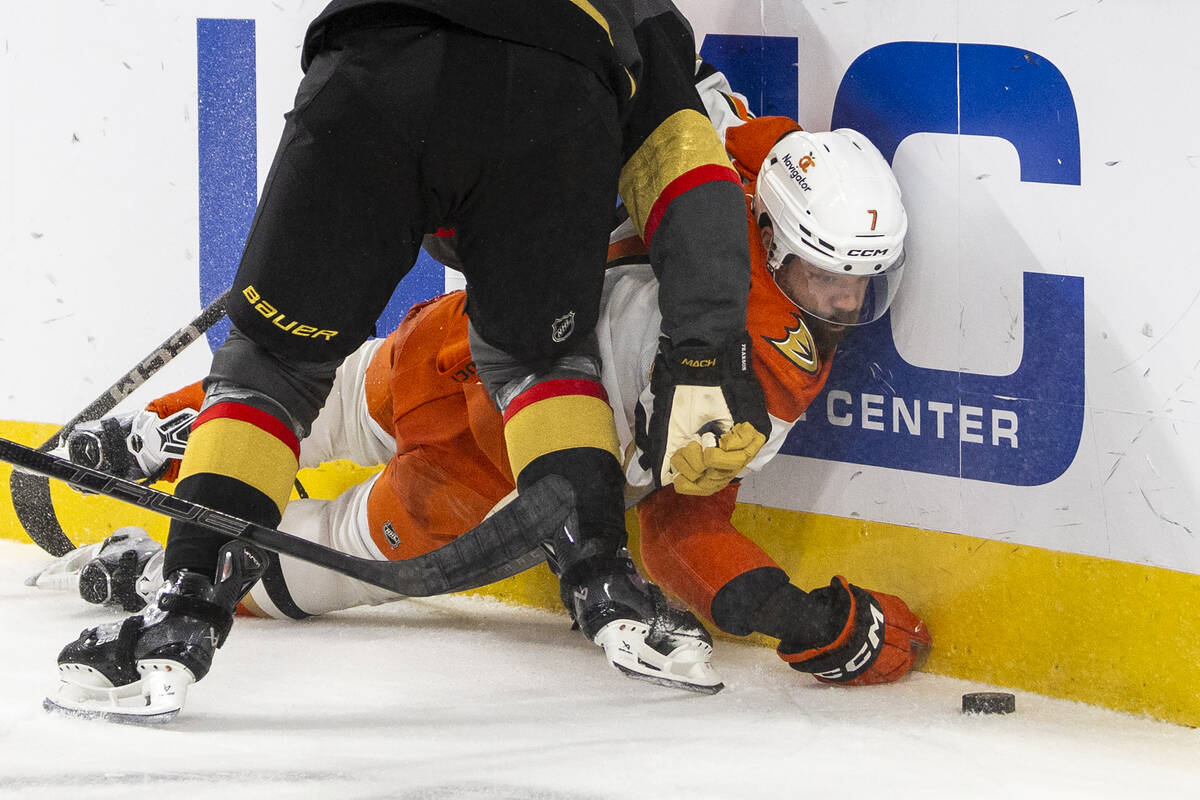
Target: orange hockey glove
column 882, row 641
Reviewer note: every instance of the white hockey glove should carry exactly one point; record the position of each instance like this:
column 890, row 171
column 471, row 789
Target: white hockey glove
column 124, row 570
column 136, row 446
column 709, row 418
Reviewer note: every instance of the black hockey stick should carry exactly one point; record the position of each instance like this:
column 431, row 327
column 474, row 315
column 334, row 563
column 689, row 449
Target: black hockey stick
column 31, row 493
column 502, row 545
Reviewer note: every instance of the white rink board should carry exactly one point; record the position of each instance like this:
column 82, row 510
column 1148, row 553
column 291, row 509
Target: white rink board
column 1130, row 492
column 101, row 231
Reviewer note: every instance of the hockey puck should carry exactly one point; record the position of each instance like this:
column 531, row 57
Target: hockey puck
column 989, row 703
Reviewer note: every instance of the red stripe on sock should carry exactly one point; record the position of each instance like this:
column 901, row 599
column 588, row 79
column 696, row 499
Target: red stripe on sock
column 254, row 416
column 560, row 387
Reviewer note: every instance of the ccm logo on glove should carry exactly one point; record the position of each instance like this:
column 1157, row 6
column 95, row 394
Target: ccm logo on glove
column 865, row 654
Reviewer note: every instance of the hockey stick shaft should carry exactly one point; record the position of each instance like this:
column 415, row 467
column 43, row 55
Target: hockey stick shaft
column 499, row 546
column 145, row 369
column 31, row 493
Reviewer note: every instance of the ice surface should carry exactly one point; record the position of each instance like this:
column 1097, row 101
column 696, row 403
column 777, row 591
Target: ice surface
column 468, row 698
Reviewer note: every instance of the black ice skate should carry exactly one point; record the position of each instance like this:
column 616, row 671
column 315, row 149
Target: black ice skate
column 139, row 670
column 643, row 634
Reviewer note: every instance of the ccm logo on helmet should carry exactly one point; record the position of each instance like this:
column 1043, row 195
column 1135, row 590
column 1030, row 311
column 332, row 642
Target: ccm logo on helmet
column 866, row 253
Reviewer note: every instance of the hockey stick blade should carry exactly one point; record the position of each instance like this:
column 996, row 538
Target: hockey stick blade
column 473, row 559
column 31, row 493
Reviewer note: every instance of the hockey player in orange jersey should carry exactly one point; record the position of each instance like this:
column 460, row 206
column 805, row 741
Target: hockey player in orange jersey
column 816, row 202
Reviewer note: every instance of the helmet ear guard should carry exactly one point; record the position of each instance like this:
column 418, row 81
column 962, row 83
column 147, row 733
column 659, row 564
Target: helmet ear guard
column 832, row 201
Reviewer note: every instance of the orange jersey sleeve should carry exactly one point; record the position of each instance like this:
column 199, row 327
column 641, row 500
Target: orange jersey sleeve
column 689, row 546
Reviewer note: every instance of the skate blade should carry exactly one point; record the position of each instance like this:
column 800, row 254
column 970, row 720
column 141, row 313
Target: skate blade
column 63, row 572
column 154, row 700
column 117, row 717
column 672, row 683
column 687, row 667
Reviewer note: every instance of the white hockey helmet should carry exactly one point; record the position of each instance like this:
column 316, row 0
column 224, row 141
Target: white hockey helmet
column 833, row 203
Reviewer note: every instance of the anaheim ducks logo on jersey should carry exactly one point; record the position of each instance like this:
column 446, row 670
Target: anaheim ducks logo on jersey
column 798, row 347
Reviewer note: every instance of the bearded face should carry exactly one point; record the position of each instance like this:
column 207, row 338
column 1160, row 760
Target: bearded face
column 826, row 335
column 829, row 303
